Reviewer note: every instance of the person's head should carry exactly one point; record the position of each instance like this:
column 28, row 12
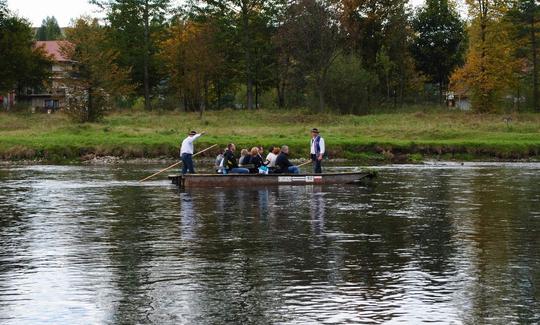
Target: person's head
column 192, row 133
column 276, row 150
column 314, row 132
column 261, row 150
column 271, row 149
column 231, row 147
column 285, row 150
column 243, row 152
column 254, row 151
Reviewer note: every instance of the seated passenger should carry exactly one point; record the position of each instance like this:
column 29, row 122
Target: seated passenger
column 255, row 160
column 230, row 164
column 244, row 157
column 272, row 156
column 283, row 165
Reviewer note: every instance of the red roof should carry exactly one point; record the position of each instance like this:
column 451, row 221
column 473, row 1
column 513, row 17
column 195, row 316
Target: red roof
column 53, row 48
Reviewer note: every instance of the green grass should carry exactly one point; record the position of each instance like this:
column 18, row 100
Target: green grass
column 375, row 137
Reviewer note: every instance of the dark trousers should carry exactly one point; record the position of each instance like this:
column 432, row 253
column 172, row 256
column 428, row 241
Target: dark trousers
column 187, row 160
column 317, row 165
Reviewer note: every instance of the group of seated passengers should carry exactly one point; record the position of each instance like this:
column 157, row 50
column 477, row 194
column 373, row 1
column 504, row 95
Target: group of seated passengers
column 277, row 161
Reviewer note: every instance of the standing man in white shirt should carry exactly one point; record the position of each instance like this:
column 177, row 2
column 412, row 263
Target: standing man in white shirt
column 317, row 150
column 186, row 152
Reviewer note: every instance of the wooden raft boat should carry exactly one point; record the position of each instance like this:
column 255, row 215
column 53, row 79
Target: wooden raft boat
column 255, row 180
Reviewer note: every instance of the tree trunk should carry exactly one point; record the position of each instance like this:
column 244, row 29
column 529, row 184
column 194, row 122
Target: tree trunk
column 218, row 93
column 320, row 90
column 89, row 110
column 201, row 108
column 256, row 95
column 518, row 97
column 206, row 101
column 146, row 77
column 387, row 78
column 440, row 92
column 249, row 93
column 536, row 94
column 282, row 83
column 281, row 95
column 247, row 53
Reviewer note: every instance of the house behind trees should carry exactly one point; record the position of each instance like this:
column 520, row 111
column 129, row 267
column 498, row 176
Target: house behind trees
column 51, row 96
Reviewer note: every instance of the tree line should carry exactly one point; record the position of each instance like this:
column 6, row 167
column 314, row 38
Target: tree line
column 349, row 56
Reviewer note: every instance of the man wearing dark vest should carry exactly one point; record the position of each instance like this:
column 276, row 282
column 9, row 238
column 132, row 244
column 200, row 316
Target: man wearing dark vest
column 317, row 150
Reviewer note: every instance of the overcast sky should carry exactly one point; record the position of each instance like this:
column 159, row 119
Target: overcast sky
column 65, row 10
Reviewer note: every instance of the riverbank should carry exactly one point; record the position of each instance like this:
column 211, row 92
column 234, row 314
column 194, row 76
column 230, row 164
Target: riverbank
column 378, row 138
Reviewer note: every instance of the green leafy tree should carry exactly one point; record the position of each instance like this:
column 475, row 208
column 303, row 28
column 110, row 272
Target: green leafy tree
column 312, row 36
column 265, row 56
column 135, row 30
column 248, row 24
column 439, row 43
column 97, row 80
column 348, row 85
column 524, row 16
column 398, row 34
column 379, row 32
column 22, row 64
column 49, row 30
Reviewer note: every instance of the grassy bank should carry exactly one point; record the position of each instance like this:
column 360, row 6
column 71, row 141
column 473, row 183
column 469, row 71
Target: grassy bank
column 380, row 137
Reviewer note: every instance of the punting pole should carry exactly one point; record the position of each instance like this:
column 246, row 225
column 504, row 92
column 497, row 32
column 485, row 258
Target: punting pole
column 174, row 165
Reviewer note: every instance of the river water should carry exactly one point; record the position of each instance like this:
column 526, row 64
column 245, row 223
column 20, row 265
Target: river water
column 447, row 244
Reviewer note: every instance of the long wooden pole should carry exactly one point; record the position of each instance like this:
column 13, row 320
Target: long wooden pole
column 174, row 165
column 307, row 162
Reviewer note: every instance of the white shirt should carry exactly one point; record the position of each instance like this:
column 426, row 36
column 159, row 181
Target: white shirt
column 321, row 145
column 271, row 157
column 187, row 144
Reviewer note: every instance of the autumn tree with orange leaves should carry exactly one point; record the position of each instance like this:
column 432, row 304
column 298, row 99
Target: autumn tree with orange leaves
column 192, row 62
column 490, row 69
column 97, row 80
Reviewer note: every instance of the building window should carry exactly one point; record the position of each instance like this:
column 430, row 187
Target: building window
column 51, row 103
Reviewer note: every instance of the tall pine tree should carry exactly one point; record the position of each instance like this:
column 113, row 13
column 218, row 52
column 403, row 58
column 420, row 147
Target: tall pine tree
column 49, row 30
column 135, row 26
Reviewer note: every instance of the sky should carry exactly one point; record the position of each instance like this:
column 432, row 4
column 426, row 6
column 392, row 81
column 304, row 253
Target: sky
column 65, row 10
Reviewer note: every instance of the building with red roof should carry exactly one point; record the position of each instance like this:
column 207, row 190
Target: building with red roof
column 52, row 96
column 54, row 49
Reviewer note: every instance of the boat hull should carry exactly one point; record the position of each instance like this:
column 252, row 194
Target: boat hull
column 254, row 180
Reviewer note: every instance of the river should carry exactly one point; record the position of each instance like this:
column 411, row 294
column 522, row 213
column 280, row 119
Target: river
column 441, row 243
